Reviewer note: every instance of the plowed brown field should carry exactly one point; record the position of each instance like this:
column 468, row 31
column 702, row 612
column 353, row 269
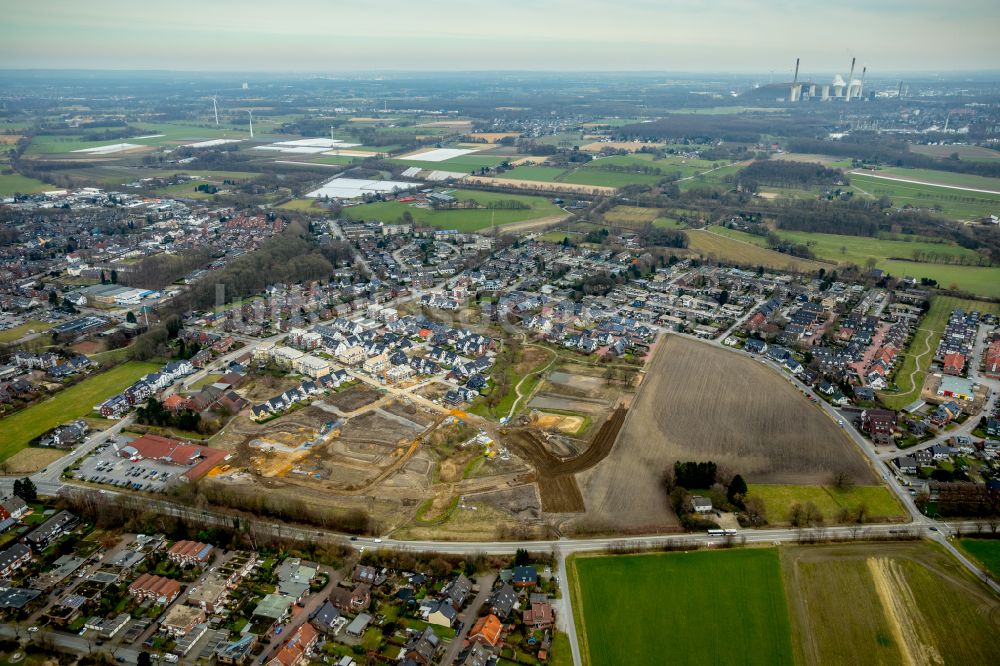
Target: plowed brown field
column 556, row 476
column 699, row 402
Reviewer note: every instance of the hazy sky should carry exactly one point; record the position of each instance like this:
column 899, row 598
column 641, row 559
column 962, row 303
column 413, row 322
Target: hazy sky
column 330, row 36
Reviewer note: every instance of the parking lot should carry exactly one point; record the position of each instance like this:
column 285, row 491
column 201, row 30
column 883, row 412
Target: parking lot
column 108, row 467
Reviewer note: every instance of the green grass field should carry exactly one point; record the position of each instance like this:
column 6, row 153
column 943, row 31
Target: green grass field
column 910, row 376
column 965, row 153
column 335, row 159
column 530, row 172
column 18, row 332
column 74, row 402
column 986, row 551
column 301, row 205
column 957, row 204
column 704, row 607
column 980, row 281
column 725, row 248
column 778, row 500
column 173, row 134
column 596, row 172
column 187, row 190
column 891, row 256
column 857, row 249
column 605, row 178
column 459, row 218
column 887, row 603
column 15, row 183
column 944, row 178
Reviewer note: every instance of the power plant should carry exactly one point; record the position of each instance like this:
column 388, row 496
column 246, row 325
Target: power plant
column 836, row 89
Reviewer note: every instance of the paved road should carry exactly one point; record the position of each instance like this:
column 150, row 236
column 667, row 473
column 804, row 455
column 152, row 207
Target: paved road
column 565, row 619
column 68, row 642
column 468, row 618
column 49, row 482
column 312, row 604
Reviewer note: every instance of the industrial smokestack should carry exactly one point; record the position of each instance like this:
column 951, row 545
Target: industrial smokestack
column 861, row 86
column 899, row 93
column 850, row 79
column 794, row 94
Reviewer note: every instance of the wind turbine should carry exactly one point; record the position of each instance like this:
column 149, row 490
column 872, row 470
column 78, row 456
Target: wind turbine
column 251, row 122
column 215, row 107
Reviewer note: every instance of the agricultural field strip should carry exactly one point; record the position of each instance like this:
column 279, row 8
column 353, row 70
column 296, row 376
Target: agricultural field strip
column 921, row 182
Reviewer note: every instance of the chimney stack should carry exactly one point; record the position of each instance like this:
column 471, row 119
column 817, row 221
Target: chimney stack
column 850, row 80
column 794, row 94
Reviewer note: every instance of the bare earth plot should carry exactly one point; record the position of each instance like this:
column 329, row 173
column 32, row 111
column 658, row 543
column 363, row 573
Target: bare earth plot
column 702, row 403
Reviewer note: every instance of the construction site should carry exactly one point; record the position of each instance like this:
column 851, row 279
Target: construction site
column 418, row 467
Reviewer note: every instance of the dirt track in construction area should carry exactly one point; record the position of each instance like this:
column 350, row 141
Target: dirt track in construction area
column 556, row 477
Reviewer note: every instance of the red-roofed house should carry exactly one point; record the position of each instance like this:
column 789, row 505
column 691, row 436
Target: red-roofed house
column 294, row 651
column 539, row 616
column 161, row 590
column 954, row 363
column 487, row 629
column 756, row 321
column 175, row 403
column 993, row 360
column 190, row 552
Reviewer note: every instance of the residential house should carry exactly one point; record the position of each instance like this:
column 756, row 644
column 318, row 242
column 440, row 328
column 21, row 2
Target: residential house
column 439, row 612
column 954, row 363
column 539, row 616
column 524, row 576
column 879, row 424
column 159, row 589
column 421, row 648
column 503, row 601
column 13, row 558
column 351, row 601
column 194, row 553
column 325, row 618
column 487, row 629
column 180, row 620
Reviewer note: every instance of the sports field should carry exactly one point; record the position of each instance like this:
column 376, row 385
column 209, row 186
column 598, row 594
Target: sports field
column 74, row 402
column 462, row 219
column 878, row 502
column 910, row 376
column 706, row 607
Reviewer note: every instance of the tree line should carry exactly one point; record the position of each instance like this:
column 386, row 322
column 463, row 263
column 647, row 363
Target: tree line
column 786, row 173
